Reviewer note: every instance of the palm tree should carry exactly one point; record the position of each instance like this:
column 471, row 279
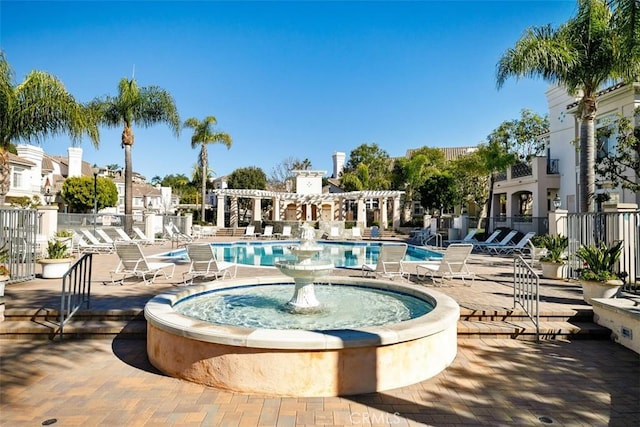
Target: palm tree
column 38, row 107
column 203, row 134
column 597, row 45
column 143, row 106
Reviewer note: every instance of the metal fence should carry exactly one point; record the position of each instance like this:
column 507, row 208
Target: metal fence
column 526, row 291
column 608, row 227
column 18, row 230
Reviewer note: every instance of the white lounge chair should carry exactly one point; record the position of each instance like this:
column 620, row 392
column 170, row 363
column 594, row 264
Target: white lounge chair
column 286, row 232
column 356, row 234
column 134, row 263
column 469, row 238
column 175, row 235
column 334, row 233
column 250, row 232
column 389, row 263
column 267, row 233
column 104, row 236
column 143, row 239
column 91, row 238
column 519, row 247
column 84, row 247
column 506, row 240
column 204, row 264
column 452, row 264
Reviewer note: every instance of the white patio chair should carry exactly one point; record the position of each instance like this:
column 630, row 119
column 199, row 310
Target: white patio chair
column 250, row 232
column 389, row 262
column 469, row 238
column 486, row 246
column 83, row 247
column 104, row 236
column 519, row 247
column 453, row 264
column 134, row 263
column 143, row 239
column 204, row 264
column 286, row 232
column 356, row 234
column 267, row 233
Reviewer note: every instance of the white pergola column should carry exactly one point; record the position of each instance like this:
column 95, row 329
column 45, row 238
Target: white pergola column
column 361, row 215
column 383, row 213
column 276, row 208
column 257, row 209
column 220, row 211
column 396, row 212
column 234, row 212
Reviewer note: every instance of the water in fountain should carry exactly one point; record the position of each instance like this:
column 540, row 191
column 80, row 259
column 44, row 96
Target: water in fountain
column 304, row 272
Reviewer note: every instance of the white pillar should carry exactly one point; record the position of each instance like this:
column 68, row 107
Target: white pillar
column 361, row 216
column 149, row 225
column 384, row 220
column 257, row 209
column 276, row 209
column 558, row 222
column 220, row 211
column 396, row 212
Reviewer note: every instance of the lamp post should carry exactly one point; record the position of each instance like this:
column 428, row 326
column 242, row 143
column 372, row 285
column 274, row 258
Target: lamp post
column 96, row 170
column 48, row 197
column 557, row 203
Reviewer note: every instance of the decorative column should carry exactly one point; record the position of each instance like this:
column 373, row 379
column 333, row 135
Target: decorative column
column 276, row 208
column 234, row 212
column 257, row 209
column 383, row 213
column 396, row 212
column 220, row 211
column 361, row 216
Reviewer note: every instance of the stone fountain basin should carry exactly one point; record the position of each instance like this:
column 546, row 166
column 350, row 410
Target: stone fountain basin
column 302, row 362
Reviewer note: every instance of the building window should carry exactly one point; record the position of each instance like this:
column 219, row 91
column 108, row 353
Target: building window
column 17, row 179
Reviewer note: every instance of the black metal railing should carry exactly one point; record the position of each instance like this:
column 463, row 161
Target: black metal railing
column 521, row 169
column 76, row 289
column 553, row 167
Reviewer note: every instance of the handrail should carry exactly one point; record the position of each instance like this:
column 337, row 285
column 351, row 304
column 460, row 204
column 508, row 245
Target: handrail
column 435, row 236
column 76, row 289
column 526, row 291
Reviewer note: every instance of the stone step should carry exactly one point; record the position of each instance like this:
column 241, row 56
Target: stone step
column 525, row 330
column 506, row 315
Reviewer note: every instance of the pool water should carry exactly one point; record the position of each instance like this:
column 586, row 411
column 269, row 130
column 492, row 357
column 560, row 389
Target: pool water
column 264, row 306
column 341, row 254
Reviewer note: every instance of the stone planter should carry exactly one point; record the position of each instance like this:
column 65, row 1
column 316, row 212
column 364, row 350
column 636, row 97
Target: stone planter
column 3, row 282
column 55, row 268
column 553, row 270
column 607, row 289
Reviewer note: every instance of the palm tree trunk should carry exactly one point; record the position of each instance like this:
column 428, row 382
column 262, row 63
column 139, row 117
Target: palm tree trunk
column 127, row 142
column 587, row 155
column 203, row 161
column 5, row 170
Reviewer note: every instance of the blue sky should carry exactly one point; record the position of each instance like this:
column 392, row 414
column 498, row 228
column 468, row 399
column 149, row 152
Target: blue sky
column 285, row 79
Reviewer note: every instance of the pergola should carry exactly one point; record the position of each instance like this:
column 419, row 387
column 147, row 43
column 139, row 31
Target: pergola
column 309, row 207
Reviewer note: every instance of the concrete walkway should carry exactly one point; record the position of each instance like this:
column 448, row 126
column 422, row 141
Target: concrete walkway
column 492, row 382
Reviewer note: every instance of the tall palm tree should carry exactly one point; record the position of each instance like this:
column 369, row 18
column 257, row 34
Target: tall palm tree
column 597, row 45
column 203, row 134
column 38, row 107
column 144, row 106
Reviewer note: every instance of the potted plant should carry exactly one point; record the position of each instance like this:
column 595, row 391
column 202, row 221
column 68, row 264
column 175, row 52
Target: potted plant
column 554, row 258
column 598, row 275
column 57, row 261
column 4, row 270
column 65, row 236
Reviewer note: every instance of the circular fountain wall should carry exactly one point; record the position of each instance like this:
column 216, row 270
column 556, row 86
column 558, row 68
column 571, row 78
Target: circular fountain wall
column 292, row 362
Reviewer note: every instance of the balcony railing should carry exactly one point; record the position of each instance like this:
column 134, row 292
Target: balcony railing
column 553, row 167
column 520, row 170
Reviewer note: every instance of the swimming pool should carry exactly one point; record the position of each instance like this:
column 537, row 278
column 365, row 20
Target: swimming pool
column 342, row 254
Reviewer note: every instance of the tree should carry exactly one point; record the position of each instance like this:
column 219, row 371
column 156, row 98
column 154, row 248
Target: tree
column 410, row 173
column 621, row 164
column 143, row 106
column 525, row 137
column 597, row 45
column 203, row 134
column 251, row 177
column 284, row 171
column 472, row 178
column 180, row 186
column 38, row 107
column 377, row 162
column 77, row 192
column 439, row 191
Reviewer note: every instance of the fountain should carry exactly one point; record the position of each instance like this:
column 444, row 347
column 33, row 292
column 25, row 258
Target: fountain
column 304, row 270
column 268, row 359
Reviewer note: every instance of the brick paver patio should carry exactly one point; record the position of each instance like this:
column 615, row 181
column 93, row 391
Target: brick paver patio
column 95, row 382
